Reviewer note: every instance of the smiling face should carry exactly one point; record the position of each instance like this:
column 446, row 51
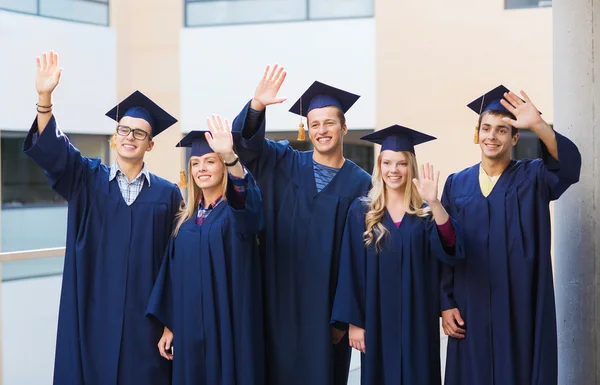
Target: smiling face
column 326, row 128
column 127, row 146
column 394, row 169
column 208, row 171
column 496, row 137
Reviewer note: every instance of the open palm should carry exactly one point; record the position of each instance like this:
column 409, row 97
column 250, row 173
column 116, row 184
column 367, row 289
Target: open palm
column 268, row 87
column 525, row 111
column 427, row 184
column 48, row 73
column 219, row 138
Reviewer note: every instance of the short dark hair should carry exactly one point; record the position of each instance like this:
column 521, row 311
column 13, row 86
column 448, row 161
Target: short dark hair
column 506, row 114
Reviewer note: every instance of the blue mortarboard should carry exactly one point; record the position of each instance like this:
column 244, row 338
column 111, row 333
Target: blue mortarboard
column 489, row 101
column 197, row 141
column 320, row 95
column 138, row 105
column 398, row 138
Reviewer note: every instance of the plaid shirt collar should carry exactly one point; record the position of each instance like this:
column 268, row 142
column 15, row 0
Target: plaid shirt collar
column 203, row 212
column 115, row 169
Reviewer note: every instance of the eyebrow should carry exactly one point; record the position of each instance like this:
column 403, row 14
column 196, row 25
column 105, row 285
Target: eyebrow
column 499, row 125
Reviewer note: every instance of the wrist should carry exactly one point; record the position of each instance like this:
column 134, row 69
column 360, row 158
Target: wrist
column 435, row 202
column 229, row 157
column 256, row 105
column 540, row 126
column 45, row 99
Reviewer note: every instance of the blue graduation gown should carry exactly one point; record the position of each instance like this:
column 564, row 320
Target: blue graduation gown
column 394, row 295
column 504, row 290
column 300, row 246
column 208, row 294
column 113, row 255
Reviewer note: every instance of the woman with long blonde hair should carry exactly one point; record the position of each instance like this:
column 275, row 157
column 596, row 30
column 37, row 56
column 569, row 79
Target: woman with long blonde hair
column 207, row 294
column 387, row 288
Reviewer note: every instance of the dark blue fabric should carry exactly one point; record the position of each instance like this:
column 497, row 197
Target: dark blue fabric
column 300, row 252
column 504, row 290
column 208, row 293
column 393, row 295
column 113, row 255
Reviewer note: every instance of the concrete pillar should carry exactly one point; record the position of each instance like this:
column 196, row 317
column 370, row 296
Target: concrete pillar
column 147, row 33
column 577, row 213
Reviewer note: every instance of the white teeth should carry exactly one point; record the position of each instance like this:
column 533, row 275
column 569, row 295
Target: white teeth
column 323, row 140
column 204, row 177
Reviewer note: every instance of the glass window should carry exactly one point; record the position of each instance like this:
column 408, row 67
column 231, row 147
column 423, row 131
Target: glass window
column 333, row 9
column 361, row 154
column 528, row 146
column 85, row 11
column 27, row 6
column 510, row 4
column 24, row 183
column 219, row 12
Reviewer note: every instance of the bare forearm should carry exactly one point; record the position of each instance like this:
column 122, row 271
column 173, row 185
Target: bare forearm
column 236, row 170
column 44, row 111
column 440, row 215
column 548, row 137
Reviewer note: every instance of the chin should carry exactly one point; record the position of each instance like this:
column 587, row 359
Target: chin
column 395, row 185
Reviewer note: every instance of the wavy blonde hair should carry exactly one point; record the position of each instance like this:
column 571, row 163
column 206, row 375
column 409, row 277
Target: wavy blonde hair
column 188, row 209
column 377, row 197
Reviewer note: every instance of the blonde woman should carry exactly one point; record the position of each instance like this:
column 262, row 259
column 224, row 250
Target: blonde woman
column 208, row 289
column 388, row 281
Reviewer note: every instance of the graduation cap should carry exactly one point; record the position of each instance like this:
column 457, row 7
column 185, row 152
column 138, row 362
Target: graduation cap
column 489, row 101
column 320, row 95
column 138, row 105
column 200, row 147
column 398, row 138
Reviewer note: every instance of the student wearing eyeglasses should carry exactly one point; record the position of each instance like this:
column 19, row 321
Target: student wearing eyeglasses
column 119, row 221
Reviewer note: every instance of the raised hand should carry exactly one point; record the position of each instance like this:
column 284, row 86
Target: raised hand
column 219, row 138
column 268, row 88
column 427, row 184
column 527, row 114
column 48, row 73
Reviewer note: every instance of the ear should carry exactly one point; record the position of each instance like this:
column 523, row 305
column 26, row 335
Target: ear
column 515, row 139
column 150, row 146
column 344, row 129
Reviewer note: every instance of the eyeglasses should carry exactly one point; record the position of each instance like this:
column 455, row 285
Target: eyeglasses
column 138, row 133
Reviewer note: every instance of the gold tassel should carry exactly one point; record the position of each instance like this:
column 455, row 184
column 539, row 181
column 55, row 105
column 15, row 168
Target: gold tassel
column 113, row 146
column 476, row 136
column 301, row 132
column 182, row 180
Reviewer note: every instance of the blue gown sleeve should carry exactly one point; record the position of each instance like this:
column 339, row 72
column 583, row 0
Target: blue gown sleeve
column 245, row 210
column 65, row 167
column 449, row 256
column 261, row 156
column 160, row 304
column 446, row 270
column 349, row 304
column 557, row 175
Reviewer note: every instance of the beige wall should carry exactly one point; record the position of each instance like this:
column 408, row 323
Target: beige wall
column 148, row 33
column 433, row 57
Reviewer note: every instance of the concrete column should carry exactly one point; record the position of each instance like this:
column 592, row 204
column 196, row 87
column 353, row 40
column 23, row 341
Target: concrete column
column 147, row 33
column 577, row 213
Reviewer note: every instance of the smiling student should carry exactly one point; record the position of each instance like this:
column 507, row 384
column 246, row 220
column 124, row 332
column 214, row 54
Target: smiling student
column 118, row 225
column 388, row 281
column 306, row 195
column 498, row 307
column 208, row 291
